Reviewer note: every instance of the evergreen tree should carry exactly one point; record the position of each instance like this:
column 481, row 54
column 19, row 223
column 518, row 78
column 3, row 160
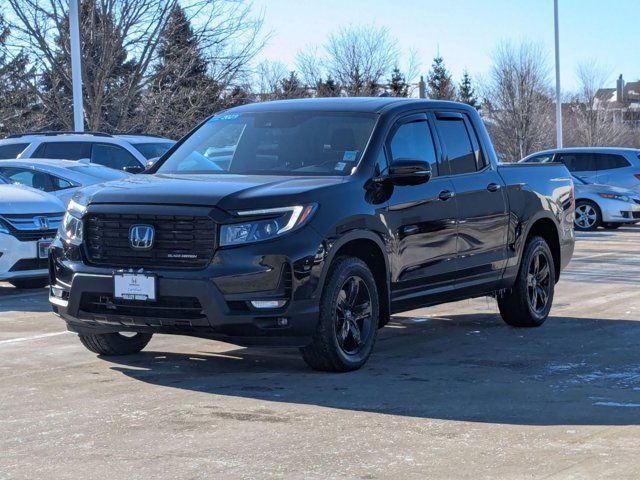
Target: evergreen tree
column 328, row 88
column 292, row 87
column 398, row 86
column 466, row 92
column 181, row 92
column 439, row 83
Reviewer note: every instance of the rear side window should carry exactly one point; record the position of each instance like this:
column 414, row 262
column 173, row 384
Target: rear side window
column 541, row 158
column 112, row 156
column 12, row 150
column 578, row 162
column 457, row 143
column 63, row 150
column 152, row 150
column 30, row 178
column 608, row 161
column 413, row 141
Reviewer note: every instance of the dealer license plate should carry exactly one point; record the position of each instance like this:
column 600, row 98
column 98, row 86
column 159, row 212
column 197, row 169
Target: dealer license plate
column 134, row 286
column 43, row 248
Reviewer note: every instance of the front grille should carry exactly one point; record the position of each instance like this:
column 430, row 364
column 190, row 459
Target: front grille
column 183, row 242
column 636, row 214
column 25, row 228
column 637, row 200
column 181, row 308
column 30, row 264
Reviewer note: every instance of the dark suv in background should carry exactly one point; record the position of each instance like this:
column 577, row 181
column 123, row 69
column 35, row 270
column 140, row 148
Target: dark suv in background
column 308, row 223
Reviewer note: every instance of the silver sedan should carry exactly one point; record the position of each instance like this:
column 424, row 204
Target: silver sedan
column 604, row 206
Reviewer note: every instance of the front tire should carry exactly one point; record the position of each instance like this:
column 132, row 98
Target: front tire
column 349, row 317
column 110, row 344
column 528, row 302
column 588, row 216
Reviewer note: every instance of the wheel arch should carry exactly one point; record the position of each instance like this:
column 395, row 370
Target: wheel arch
column 546, row 228
column 369, row 248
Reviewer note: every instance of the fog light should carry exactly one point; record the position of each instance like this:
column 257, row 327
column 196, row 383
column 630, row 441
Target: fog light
column 265, row 304
column 57, row 292
column 283, row 321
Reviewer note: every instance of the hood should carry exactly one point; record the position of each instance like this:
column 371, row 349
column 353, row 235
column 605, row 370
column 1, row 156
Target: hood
column 599, row 188
column 16, row 199
column 229, row 192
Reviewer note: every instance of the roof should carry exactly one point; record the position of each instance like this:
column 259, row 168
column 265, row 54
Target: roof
column 344, row 104
column 60, row 163
column 586, row 150
column 132, row 138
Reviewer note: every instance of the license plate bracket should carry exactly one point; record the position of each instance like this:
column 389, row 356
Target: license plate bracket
column 135, row 286
column 43, row 248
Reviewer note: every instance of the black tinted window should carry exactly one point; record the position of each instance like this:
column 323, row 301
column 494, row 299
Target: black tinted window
column 578, row 162
column 112, row 156
column 608, row 162
column 152, row 150
column 413, row 141
column 63, row 150
column 12, row 150
column 460, row 153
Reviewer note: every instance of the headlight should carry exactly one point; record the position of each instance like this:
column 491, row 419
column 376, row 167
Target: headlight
column 277, row 222
column 613, row 196
column 70, row 230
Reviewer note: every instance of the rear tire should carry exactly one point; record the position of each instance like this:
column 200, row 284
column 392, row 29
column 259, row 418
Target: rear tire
column 588, row 216
column 114, row 343
column 528, row 302
column 348, row 321
column 30, row 282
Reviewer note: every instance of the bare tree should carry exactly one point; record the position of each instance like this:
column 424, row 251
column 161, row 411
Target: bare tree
column 518, row 106
column 591, row 120
column 119, row 47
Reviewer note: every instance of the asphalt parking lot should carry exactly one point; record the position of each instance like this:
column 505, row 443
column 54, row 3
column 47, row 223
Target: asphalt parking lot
column 450, row 392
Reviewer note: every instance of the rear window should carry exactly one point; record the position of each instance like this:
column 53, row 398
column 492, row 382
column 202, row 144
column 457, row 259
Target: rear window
column 103, row 173
column 153, row 150
column 12, row 150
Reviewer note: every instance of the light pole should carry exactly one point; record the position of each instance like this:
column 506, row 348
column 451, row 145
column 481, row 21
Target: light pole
column 76, row 71
column 558, row 99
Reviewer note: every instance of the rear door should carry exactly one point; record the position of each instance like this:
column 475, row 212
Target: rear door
column 421, row 218
column 581, row 164
column 483, row 215
column 609, row 167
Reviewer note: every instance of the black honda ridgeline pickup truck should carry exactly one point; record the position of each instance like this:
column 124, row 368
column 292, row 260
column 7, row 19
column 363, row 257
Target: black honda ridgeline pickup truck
column 307, row 223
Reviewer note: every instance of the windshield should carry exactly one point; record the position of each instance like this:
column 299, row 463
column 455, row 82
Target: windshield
column 102, row 173
column 275, row 143
column 153, row 150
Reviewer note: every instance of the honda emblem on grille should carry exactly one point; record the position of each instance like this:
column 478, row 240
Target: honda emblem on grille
column 141, row 237
column 41, row 222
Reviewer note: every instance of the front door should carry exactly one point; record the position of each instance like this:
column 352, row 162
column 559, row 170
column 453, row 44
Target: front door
column 421, row 218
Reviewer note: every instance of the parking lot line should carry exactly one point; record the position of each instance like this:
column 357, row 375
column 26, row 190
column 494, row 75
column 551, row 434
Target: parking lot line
column 34, row 337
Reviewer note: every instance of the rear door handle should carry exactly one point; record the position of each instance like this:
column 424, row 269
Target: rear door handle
column 493, row 187
column 445, row 195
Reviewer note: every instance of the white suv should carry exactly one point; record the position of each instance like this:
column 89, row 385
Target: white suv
column 29, row 219
column 131, row 153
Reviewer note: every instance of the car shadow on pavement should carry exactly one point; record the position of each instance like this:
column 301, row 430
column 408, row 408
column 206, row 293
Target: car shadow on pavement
column 572, row 371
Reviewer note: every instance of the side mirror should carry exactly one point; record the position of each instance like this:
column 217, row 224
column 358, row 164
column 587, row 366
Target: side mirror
column 134, row 169
column 406, row 171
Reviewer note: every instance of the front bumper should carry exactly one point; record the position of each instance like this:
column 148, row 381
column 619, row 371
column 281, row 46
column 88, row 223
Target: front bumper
column 20, row 259
column 615, row 211
column 210, row 303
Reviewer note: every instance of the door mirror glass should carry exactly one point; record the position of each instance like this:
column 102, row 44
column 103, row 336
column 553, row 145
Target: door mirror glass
column 408, row 171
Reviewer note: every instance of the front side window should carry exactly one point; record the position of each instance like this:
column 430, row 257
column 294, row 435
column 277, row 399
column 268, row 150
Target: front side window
column 413, row 141
column 460, row 152
column 153, row 149
column 546, row 158
column 275, row 143
column 112, row 156
column 28, row 177
column 12, row 150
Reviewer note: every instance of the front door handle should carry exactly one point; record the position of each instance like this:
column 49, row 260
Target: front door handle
column 445, row 195
column 493, row 187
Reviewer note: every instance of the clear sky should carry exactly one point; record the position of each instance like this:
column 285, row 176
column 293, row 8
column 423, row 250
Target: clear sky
column 467, row 31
